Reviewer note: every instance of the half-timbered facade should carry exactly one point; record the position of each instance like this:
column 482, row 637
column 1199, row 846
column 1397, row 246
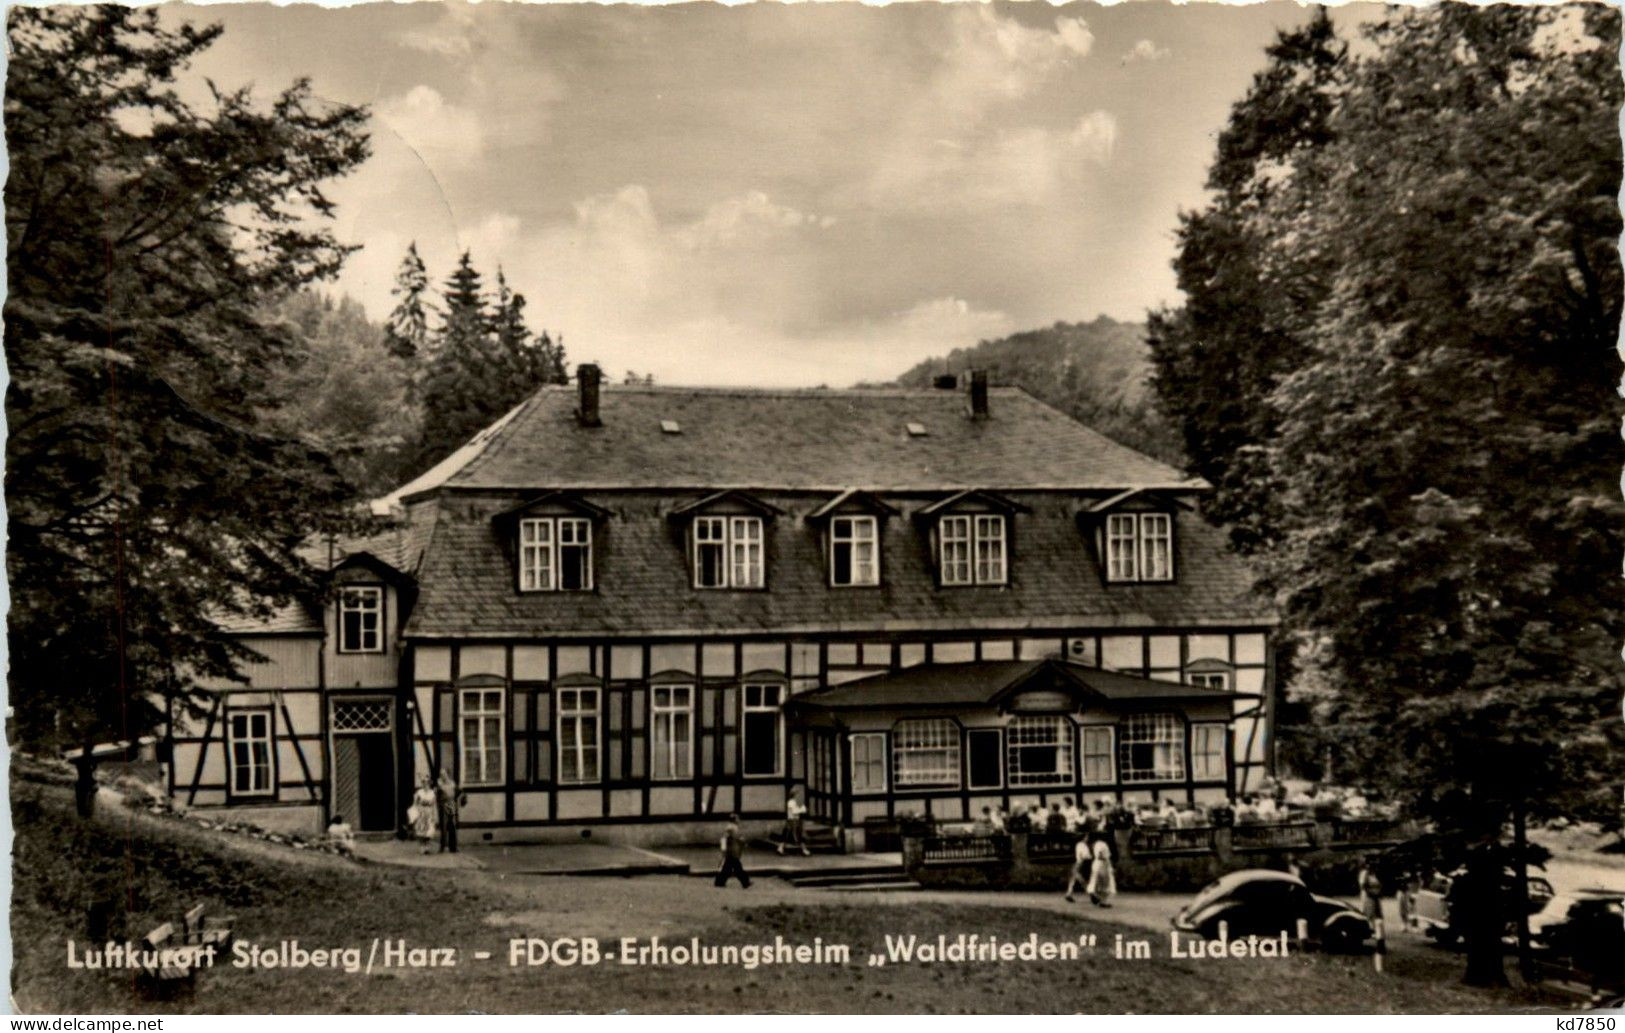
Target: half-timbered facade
column 636, row 610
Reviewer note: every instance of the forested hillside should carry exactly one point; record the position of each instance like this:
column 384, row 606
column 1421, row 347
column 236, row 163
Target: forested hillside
column 1095, row 372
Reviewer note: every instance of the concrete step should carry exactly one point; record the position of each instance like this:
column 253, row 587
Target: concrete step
column 853, row 876
column 895, row 886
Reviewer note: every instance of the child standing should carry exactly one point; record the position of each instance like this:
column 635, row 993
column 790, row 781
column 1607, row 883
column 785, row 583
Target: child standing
column 733, row 849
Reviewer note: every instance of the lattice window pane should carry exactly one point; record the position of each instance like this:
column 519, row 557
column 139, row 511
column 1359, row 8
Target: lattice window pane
column 926, row 752
column 1039, row 750
column 362, row 716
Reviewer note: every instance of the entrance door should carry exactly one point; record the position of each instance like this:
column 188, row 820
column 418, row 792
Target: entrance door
column 364, row 778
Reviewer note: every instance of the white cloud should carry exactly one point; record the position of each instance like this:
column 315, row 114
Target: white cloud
column 995, row 170
column 1145, row 50
column 441, row 133
column 1075, row 35
column 990, row 58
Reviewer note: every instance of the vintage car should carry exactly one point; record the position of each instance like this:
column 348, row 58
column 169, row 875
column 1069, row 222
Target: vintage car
column 1581, row 938
column 1431, row 906
column 1268, row 902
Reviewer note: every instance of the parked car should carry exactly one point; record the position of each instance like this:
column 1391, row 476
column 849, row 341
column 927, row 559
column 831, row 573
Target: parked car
column 1266, row 903
column 1582, row 935
column 1431, row 912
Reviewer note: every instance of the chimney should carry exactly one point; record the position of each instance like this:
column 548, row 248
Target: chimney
column 945, row 382
column 978, row 394
column 588, row 376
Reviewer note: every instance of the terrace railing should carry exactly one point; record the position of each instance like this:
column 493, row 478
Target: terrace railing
column 1197, row 839
column 1048, row 847
column 1293, row 835
column 966, row 849
column 1370, row 831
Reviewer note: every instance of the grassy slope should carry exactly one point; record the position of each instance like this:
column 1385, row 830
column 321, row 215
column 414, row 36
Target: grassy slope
column 159, row 869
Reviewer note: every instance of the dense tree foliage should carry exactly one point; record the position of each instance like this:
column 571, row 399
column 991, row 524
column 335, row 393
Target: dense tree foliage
column 150, row 482
column 346, row 385
column 1397, row 364
column 482, row 361
column 1095, row 372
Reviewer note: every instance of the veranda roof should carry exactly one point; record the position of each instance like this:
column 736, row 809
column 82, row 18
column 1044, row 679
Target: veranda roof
column 992, row 682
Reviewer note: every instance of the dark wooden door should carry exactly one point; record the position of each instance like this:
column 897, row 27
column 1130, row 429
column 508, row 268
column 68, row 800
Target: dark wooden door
column 364, row 781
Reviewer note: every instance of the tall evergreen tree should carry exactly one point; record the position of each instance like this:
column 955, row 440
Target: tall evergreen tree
column 407, row 331
column 149, row 483
column 1437, row 429
column 484, row 361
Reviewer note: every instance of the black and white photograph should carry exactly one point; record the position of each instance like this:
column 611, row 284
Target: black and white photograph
column 815, row 508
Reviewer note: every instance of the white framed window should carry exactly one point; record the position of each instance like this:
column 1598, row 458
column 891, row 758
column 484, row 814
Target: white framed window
column 868, row 762
column 727, row 552
column 1207, row 752
column 555, row 554
column 1099, row 755
column 1156, row 547
column 954, row 539
column 671, row 733
column 1210, row 679
column 990, row 550
column 361, row 619
column 925, row 752
column 1039, row 750
column 745, row 541
column 578, row 736
column 1121, row 552
column 479, row 736
column 763, row 730
column 1151, row 748
column 249, row 741
column 1139, row 547
column 854, row 551
column 971, row 550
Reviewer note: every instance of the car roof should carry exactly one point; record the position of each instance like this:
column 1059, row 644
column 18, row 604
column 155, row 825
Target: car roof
column 1234, row 879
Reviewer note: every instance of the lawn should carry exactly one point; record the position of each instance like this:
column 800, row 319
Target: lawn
column 157, row 868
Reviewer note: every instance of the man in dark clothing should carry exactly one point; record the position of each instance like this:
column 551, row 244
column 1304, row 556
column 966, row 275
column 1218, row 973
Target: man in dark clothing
column 84, row 785
column 733, row 848
column 447, row 801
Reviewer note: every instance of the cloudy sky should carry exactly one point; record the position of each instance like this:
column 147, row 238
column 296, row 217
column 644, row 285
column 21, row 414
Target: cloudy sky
column 772, row 194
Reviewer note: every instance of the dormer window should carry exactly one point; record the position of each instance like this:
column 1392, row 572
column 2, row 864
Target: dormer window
column 971, row 532
column 727, row 539
column 854, row 551
column 555, row 554
column 728, row 552
column 361, row 619
column 971, row 549
column 1139, row 547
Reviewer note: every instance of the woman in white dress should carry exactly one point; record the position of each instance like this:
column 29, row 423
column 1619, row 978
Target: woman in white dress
column 1102, row 883
column 422, row 813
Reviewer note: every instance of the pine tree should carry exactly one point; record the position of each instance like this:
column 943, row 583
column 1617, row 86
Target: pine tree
column 150, row 483
column 408, row 326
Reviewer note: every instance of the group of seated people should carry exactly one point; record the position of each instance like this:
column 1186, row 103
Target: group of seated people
column 1063, row 817
column 1273, row 804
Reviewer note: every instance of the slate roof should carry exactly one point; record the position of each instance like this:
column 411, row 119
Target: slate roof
column 400, row 546
column 790, row 439
column 642, row 582
column 293, row 619
column 985, row 682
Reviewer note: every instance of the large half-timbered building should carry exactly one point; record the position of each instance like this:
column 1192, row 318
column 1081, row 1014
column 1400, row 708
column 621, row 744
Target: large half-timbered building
column 637, row 609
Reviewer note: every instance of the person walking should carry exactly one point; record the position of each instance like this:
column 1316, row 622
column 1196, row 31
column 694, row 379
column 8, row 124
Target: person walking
column 794, row 816
column 447, row 802
column 1102, row 883
column 733, row 849
column 1082, row 857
